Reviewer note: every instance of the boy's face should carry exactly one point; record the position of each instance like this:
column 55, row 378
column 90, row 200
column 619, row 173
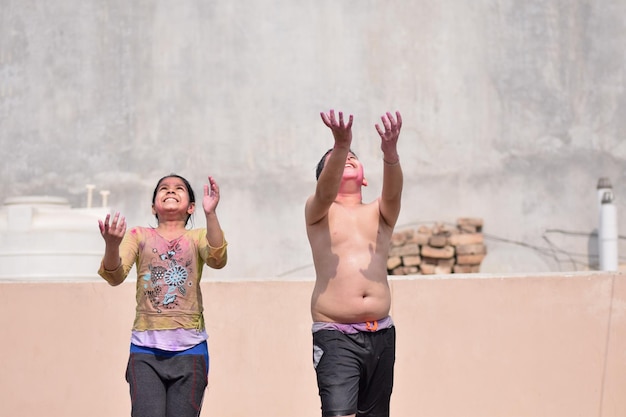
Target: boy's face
column 353, row 169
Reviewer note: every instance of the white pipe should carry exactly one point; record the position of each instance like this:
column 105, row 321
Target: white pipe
column 607, row 234
column 604, row 185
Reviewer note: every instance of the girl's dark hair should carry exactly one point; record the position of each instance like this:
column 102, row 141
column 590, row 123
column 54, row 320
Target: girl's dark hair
column 322, row 162
column 192, row 196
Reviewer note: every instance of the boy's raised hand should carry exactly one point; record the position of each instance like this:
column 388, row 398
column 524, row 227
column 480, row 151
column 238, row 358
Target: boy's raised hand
column 389, row 135
column 342, row 132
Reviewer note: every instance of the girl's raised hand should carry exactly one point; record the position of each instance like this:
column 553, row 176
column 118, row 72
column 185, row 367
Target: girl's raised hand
column 211, row 196
column 113, row 230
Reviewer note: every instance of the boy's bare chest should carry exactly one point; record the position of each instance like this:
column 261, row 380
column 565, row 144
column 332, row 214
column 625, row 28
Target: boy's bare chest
column 354, row 223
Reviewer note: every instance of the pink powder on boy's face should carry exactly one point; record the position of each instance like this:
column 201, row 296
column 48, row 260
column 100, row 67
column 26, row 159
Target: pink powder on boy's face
column 355, row 164
column 353, row 169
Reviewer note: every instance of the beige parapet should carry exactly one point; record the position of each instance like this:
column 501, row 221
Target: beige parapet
column 541, row 345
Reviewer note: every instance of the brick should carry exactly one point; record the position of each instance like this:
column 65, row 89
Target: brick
column 469, row 221
column 446, row 262
column 404, row 270
column 411, row 260
column 470, row 259
column 408, row 249
column 421, row 238
column 472, row 249
column 466, row 269
column 443, row 270
column 438, row 241
column 448, row 229
column 466, row 239
column 425, row 230
column 397, row 271
column 393, row 262
column 410, row 270
column 440, row 229
column 398, row 239
column 439, row 253
column 469, row 228
column 427, row 269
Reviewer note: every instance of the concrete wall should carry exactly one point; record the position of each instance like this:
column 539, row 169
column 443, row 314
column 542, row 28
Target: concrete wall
column 512, row 111
column 542, row 345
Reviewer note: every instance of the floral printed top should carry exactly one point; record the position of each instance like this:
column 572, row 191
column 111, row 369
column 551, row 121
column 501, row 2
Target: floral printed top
column 168, row 276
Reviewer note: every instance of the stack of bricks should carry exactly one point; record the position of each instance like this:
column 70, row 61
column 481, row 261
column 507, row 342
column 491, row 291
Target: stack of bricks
column 439, row 249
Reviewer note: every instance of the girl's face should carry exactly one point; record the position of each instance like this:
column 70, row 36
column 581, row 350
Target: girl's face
column 171, row 198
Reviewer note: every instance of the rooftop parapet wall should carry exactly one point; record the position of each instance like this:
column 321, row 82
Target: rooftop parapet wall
column 546, row 345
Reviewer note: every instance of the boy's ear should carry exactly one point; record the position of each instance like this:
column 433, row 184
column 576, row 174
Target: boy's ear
column 364, row 182
column 191, row 208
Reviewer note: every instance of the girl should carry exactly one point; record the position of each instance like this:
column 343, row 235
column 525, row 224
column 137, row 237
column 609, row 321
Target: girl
column 169, row 361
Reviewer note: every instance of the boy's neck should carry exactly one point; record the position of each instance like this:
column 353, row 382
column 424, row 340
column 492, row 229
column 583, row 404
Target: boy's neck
column 350, row 190
column 349, row 197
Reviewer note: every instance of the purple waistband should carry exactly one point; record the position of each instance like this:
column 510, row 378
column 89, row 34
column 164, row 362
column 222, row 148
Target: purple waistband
column 172, row 339
column 352, row 328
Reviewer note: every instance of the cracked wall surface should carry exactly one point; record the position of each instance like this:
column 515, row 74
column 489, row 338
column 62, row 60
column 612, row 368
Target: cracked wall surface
column 512, row 111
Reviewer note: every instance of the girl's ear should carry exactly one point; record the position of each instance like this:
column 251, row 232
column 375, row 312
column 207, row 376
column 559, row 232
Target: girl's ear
column 153, row 211
column 191, row 208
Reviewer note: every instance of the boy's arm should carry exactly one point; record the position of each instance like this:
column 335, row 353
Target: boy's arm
column 390, row 199
column 329, row 180
column 391, row 196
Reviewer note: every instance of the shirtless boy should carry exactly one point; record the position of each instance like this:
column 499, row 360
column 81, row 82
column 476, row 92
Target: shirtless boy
column 353, row 335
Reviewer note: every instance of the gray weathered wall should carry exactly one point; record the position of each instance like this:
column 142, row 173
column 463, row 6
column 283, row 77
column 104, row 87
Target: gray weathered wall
column 512, row 111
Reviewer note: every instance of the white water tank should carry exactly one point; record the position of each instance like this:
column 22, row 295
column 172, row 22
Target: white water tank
column 43, row 238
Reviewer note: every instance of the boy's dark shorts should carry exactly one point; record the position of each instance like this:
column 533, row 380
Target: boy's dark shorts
column 354, row 371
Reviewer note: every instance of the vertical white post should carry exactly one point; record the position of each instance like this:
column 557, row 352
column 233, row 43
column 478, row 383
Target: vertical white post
column 105, row 197
column 90, row 188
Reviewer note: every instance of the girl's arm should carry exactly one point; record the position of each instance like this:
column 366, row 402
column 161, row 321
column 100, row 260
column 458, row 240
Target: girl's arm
column 112, row 231
column 214, row 234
